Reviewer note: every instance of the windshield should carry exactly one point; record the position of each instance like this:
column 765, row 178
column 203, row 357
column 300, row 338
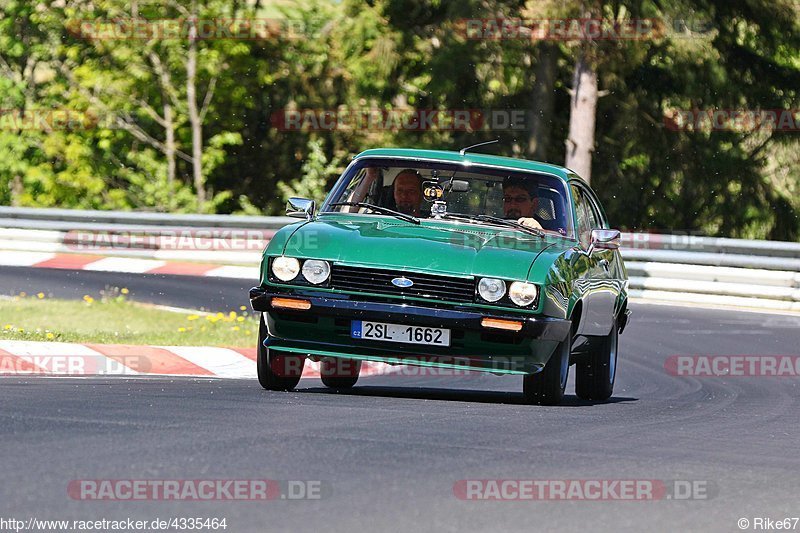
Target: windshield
column 412, row 187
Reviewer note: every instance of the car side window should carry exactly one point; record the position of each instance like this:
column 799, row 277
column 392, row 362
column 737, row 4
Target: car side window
column 588, row 214
column 595, row 222
column 583, row 216
column 596, row 218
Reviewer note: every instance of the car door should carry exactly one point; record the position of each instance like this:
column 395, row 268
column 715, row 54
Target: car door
column 595, row 286
column 612, row 259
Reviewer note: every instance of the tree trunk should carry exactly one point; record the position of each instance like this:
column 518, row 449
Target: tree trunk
column 582, row 117
column 16, row 190
column 543, row 105
column 169, row 127
column 170, row 145
column 167, row 92
column 194, row 115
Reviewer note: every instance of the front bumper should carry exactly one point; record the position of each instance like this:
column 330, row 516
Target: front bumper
column 324, row 330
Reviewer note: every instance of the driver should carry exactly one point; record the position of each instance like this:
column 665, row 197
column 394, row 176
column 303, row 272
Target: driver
column 520, row 201
column 407, row 190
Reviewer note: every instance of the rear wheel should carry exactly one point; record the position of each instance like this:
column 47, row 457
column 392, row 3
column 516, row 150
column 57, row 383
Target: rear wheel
column 339, row 373
column 547, row 387
column 277, row 371
column 595, row 375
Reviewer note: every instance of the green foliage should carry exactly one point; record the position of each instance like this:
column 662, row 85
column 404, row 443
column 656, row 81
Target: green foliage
column 315, row 173
column 383, row 54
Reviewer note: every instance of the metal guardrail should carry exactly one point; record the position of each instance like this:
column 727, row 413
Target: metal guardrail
column 673, row 268
column 720, row 259
column 709, row 270
column 76, row 219
column 713, row 245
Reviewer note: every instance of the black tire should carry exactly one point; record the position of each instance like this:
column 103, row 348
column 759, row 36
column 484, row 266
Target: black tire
column 596, row 373
column 547, row 387
column 277, row 371
column 339, row 373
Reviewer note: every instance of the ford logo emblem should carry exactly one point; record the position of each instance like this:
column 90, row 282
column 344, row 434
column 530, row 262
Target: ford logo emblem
column 403, row 283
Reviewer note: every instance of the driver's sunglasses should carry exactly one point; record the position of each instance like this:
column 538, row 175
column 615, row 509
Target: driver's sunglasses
column 516, row 199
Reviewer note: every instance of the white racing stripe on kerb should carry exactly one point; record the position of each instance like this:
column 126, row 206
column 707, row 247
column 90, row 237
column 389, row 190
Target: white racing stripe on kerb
column 311, row 369
column 65, row 358
column 237, row 272
column 24, row 258
column 222, row 362
column 124, row 264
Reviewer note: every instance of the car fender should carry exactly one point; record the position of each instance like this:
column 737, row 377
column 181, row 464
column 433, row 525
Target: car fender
column 574, row 278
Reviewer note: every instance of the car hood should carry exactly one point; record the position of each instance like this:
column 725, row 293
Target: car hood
column 441, row 247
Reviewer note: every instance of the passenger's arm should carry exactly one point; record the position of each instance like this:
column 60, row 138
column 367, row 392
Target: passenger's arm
column 361, row 190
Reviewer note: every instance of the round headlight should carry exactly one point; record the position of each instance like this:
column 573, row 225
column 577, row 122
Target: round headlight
column 491, row 289
column 316, row 272
column 523, row 294
column 285, row 268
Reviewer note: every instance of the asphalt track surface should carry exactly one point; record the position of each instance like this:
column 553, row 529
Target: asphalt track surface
column 389, row 453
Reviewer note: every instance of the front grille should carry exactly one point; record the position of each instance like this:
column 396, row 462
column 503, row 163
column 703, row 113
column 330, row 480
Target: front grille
column 358, row 279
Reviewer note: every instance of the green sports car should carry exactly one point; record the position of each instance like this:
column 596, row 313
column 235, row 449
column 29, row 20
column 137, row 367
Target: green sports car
column 451, row 260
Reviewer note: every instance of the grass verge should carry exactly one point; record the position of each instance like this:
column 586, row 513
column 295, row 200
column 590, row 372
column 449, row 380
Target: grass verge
column 116, row 320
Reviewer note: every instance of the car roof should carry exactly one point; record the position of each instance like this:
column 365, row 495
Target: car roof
column 470, row 158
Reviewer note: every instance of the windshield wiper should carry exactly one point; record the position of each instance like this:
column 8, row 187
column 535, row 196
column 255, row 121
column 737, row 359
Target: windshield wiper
column 497, row 221
column 379, row 209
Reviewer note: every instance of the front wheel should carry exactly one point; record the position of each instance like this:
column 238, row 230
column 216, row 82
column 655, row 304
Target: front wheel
column 277, row 371
column 548, row 386
column 595, row 375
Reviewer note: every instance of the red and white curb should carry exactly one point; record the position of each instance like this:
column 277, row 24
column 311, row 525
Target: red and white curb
column 129, row 265
column 68, row 359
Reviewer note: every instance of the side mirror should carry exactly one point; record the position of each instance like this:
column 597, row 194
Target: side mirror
column 605, row 239
column 300, row 208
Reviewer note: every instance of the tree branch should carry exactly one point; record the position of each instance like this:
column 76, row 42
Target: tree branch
column 207, row 99
column 166, row 80
column 128, row 125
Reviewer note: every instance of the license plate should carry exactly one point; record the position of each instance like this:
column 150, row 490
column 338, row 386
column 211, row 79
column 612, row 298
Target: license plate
column 380, row 331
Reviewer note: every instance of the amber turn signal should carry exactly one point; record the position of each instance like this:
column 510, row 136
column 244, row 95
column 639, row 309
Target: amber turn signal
column 289, row 303
column 497, row 323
